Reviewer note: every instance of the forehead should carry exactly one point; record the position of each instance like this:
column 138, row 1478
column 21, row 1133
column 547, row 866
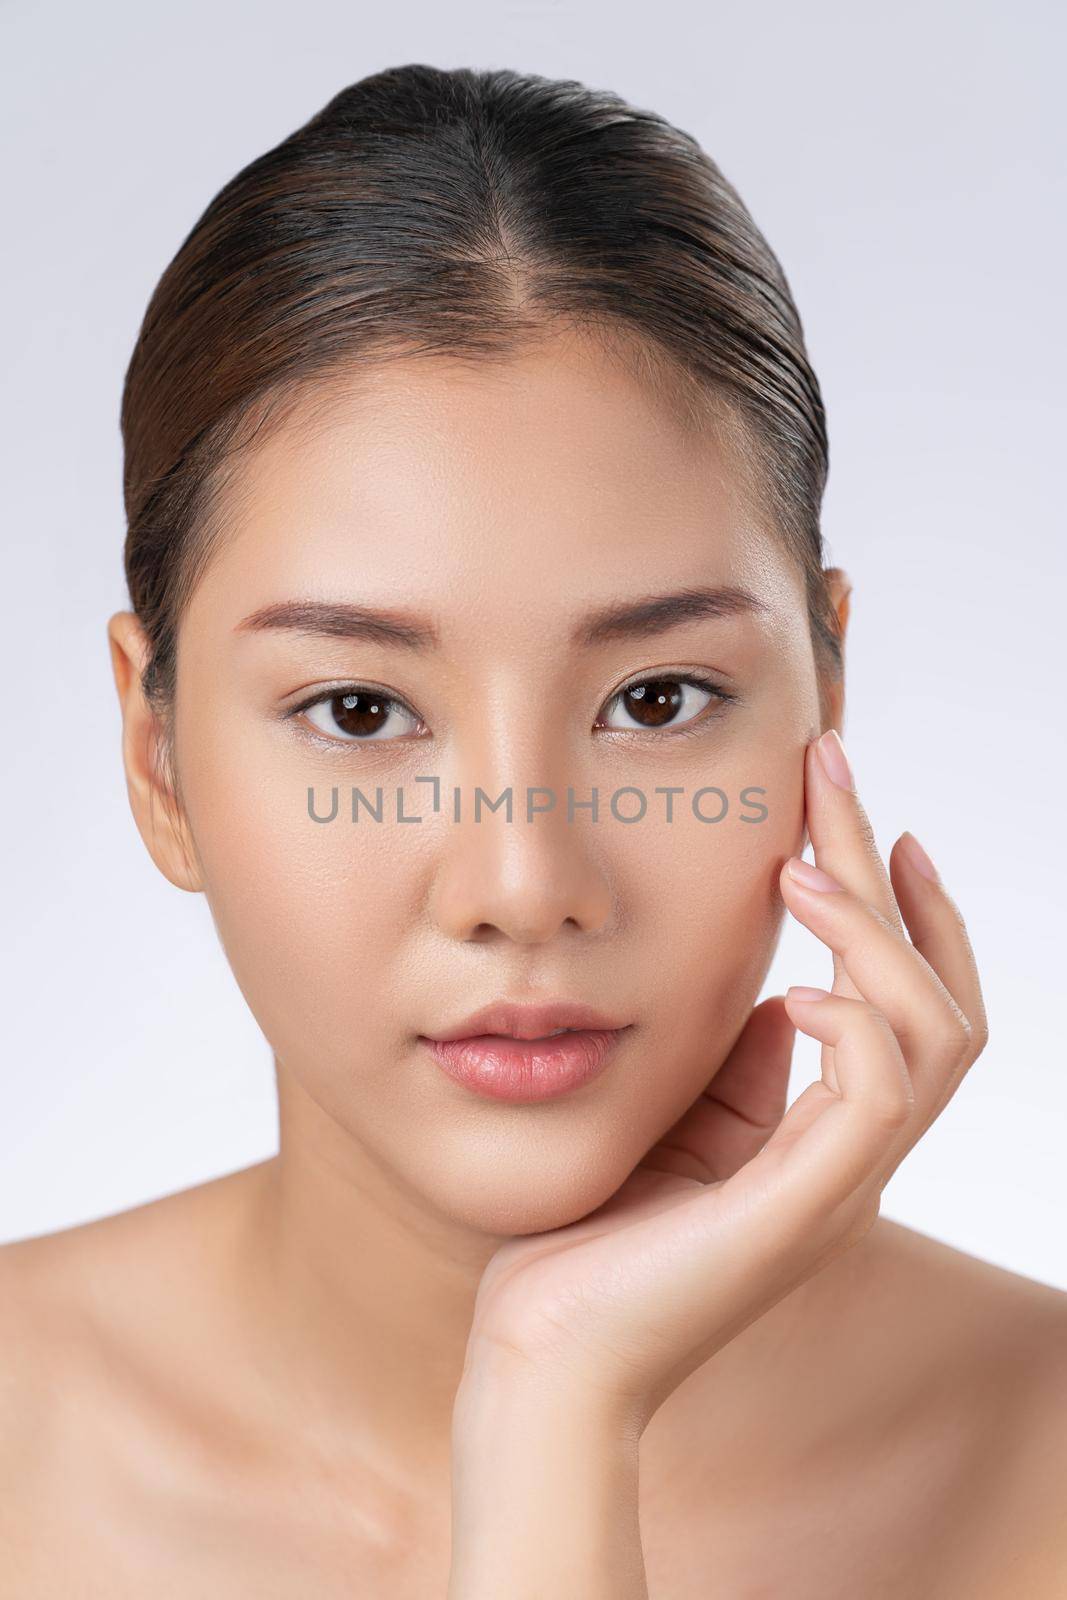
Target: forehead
column 555, row 473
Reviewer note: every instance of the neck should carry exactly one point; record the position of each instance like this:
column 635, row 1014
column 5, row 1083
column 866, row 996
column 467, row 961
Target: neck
column 356, row 1303
column 359, row 1294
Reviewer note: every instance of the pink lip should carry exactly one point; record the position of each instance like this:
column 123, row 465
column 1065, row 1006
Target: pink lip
column 529, row 1021
column 524, row 1070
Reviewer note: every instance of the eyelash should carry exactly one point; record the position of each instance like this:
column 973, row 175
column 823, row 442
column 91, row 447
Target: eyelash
column 685, row 730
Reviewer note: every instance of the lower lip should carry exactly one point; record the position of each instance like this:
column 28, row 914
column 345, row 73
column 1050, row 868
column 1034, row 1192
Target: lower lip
column 525, row 1069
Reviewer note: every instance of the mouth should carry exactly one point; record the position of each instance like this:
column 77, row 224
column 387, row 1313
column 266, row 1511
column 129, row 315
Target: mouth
column 500, row 1066
column 549, row 1019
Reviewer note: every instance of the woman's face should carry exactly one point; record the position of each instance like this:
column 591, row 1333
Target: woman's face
column 502, row 507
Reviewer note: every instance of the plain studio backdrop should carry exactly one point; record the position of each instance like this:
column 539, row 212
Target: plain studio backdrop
column 905, row 164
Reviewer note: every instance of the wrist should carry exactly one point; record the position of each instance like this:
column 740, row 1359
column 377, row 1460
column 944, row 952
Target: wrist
column 496, row 1381
column 544, row 1492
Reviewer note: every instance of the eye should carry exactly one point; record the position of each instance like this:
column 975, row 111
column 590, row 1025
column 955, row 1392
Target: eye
column 665, row 702
column 358, row 714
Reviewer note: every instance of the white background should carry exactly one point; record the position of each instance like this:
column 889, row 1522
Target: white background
column 904, row 163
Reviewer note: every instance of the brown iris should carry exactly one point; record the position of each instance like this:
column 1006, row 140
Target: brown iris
column 654, row 702
column 360, row 713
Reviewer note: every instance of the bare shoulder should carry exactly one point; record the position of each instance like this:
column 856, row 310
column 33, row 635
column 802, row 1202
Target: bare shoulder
column 93, row 1320
column 55, row 1287
column 1001, row 1323
column 56, row 1305
column 109, row 1388
column 996, row 1347
column 48, row 1324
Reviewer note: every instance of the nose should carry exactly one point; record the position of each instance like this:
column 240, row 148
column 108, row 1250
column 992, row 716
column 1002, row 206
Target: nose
column 522, row 880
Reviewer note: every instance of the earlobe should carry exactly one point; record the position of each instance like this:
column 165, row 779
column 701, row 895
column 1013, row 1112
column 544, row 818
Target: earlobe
column 154, row 804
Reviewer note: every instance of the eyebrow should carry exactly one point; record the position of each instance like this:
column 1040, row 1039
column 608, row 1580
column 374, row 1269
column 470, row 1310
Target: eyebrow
column 338, row 619
column 633, row 619
column 625, row 619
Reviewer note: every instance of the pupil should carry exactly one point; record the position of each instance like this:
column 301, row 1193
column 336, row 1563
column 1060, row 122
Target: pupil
column 655, row 702
column 359, row 714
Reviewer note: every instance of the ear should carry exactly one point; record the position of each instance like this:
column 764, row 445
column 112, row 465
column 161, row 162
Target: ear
column 839, row 587
column 153, row 799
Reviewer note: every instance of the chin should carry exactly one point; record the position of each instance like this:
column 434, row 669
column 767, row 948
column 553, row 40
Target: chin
column 511, row 1197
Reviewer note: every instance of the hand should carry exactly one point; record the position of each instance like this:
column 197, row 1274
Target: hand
column 737, row 1205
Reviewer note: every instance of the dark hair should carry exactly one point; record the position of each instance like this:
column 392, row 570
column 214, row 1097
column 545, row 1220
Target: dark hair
column 425, row 211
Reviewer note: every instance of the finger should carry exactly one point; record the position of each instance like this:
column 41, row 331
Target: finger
column 828, row 1145
column 741, row 1106
column 841, row 835
column 939, row 933
column 826, row 1155
column 889, row 973
column 752, row 1085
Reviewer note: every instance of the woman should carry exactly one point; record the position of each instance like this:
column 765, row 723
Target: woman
column 483, row 672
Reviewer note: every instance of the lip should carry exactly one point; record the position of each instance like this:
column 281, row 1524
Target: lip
column 528, row 1021
column 501, row 1051
column 523, row 1070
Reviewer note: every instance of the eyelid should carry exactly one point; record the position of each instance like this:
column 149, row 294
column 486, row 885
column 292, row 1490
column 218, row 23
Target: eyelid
column 349, row 686
column 698, row 678
column 325, row 693
column 698, row 675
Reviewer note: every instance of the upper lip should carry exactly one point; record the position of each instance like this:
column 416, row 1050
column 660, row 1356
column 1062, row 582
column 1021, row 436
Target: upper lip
column 527, row 1021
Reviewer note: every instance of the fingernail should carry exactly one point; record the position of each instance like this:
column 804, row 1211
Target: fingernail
column 918, row 857
column 798, row 991
column 811, row 877
column 834, row 760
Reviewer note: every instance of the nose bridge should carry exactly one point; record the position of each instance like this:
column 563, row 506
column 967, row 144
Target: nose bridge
column 531, row 868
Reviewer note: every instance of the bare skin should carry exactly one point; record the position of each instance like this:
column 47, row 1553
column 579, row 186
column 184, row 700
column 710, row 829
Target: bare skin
column 896, row 1417
column 247, row 1388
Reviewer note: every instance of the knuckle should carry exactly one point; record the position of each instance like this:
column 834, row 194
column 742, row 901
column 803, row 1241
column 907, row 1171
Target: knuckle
column 979, row 1035
column 892, row 1110
column 956, row 1037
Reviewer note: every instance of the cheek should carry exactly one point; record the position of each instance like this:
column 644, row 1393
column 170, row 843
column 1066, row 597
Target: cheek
column 324, row 924
column 712, row 916
column 710, row 874
column 310, row 914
